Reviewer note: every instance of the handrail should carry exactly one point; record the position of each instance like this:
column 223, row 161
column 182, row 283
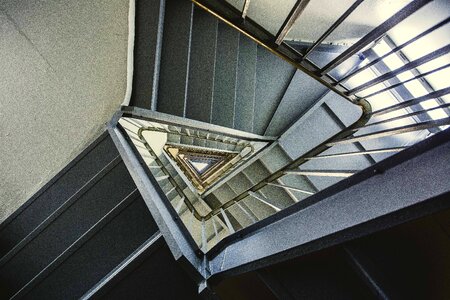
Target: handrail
column 276, row 45
column 267, row 40
column 364, row 118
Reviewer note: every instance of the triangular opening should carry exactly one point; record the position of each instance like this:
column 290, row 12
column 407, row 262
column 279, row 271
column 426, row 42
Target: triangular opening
column 202, row 167
column 201, row 164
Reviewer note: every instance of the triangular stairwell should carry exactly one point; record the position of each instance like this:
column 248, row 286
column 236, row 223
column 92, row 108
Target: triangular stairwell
column 202, row 167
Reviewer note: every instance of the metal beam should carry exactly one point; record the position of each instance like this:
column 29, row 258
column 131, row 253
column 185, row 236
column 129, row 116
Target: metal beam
column 247, row 213
column 356, row 153
column 421, row 75
column 227, row 221
column 295, row 12
column 291, row 188
column 393, row 131
column 264, row 200
column 375, row 34
column 396, row 49
column 411, row 65
column 364, row 269
column 149, row 247
column 323, row 173
column 411, row 102
column 421, row 112
column 379, row 198
column 245, row 8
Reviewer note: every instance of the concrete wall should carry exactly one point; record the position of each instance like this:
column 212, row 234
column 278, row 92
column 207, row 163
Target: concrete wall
column 62, row 76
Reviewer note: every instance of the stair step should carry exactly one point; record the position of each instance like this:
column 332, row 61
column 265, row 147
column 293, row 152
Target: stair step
column 246, row 83
column 256, row 172
column 272, row 79
column 211, row 144
column 187, row 140
column 175, row 57
column 224, row 193
column 201, row 66
column 277, row 159
column 199, row 142
column 149, row 21
column 240, row 183
column 225, row 76
column 173, row 138
column 303, row 91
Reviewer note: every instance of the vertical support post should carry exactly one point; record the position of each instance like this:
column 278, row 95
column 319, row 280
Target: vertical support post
column 227, row 221
column 215, row 227
column 204, row 241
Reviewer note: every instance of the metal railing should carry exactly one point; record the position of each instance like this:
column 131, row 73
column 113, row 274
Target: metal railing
column 369, row 120
column 210, row 228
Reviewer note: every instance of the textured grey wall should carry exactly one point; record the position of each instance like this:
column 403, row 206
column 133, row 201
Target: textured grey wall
column 62, row 75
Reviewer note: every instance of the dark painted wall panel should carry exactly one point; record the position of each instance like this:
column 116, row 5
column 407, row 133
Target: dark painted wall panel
column 67, row 228
column 98, row 256
column 158, row 277
column 57, row 193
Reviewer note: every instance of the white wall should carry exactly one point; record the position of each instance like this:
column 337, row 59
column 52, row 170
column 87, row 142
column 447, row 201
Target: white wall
column 62, row 76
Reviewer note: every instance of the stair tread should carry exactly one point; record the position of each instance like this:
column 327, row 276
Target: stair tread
column 89, row 264
column 272, row 78
column 201, row 66
column 246, row 83
column 175, row 57
column 225, row 76
column 67, row 227
column 303, row 91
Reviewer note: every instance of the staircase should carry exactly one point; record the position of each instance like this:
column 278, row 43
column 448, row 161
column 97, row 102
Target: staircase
column 86, row 224
column 125, row 220
column 212, row 73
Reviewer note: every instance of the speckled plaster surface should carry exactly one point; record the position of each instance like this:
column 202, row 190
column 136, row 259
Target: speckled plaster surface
column 62, row 76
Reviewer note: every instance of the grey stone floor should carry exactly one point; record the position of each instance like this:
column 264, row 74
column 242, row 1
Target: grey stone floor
column 62, row 76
